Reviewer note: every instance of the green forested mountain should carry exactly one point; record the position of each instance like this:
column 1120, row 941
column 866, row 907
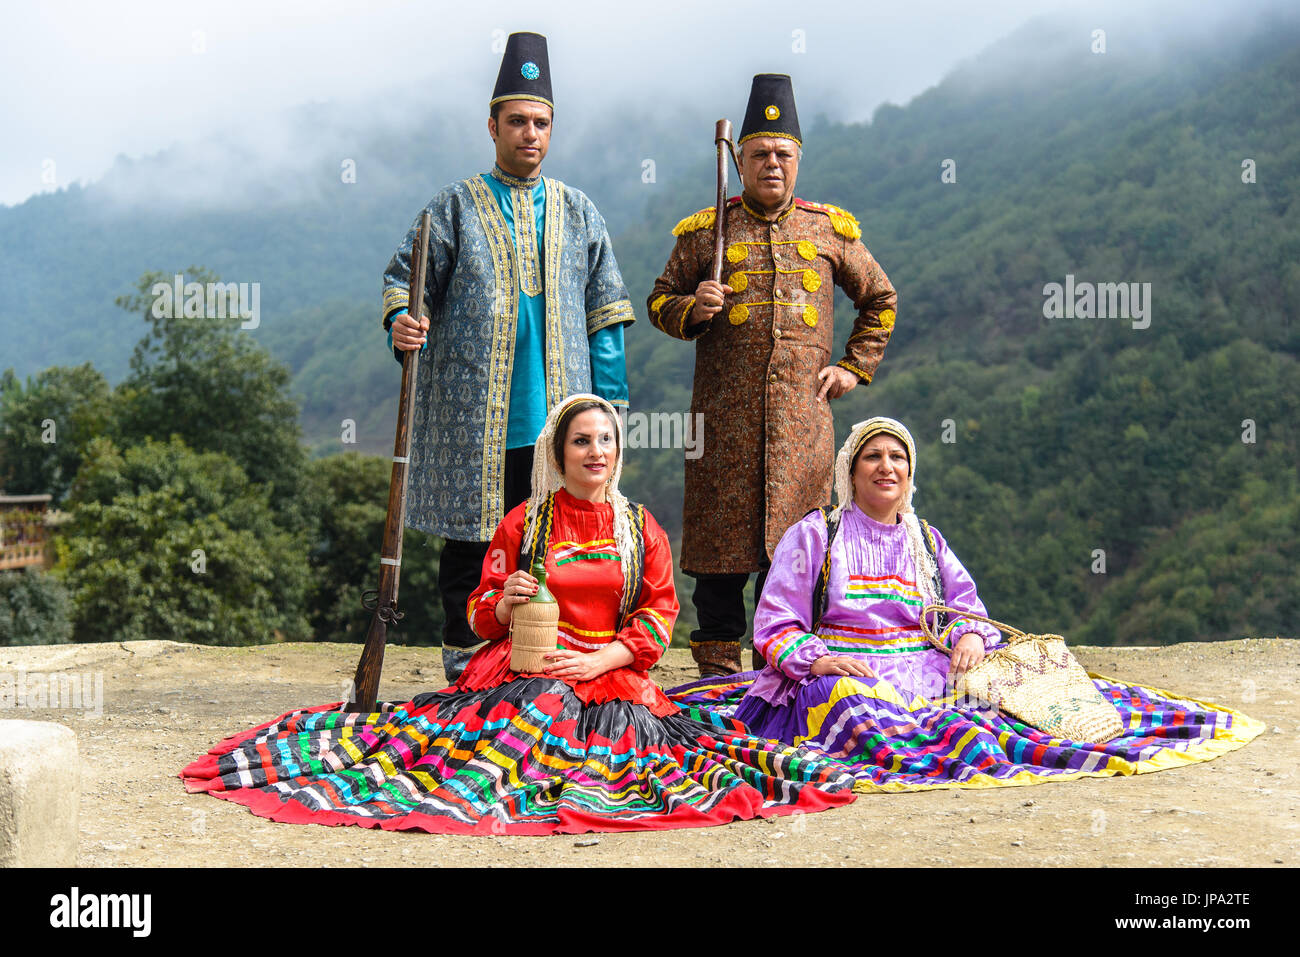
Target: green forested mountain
column 1111, row 482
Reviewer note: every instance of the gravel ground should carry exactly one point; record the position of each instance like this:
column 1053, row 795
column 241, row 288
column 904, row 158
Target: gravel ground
column 164, row 704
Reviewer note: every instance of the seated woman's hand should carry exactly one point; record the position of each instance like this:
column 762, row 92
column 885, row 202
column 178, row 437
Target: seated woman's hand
column 519, row 587
column 966, row 654
column 584, row 665
column 841, row 665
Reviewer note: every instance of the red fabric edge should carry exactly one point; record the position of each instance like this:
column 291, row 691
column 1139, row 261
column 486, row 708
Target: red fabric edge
column 743, row 803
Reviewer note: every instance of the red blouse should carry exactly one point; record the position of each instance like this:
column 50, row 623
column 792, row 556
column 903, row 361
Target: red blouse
column 585, row 574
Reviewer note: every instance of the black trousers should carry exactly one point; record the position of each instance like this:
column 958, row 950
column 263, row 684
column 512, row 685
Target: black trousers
column 720, row 605
column 461, row 565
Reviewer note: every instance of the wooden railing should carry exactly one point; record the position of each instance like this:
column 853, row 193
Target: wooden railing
column 23, row 555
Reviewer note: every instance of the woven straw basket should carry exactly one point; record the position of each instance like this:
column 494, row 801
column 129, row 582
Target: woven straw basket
column 534, row 631
column 1035, row 678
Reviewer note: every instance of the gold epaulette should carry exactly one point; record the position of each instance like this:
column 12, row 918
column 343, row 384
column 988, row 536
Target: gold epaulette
column 704, row 219
column 841, row 219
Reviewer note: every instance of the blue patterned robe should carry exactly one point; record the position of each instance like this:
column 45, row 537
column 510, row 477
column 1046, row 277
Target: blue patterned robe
column 462, row 398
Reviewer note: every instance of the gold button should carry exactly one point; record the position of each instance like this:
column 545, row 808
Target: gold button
column 775, row 227
column 772, row 377
column 779, row 292
column 777, row 333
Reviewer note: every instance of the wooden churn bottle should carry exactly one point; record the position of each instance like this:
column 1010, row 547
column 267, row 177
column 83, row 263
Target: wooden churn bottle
column 534, row 626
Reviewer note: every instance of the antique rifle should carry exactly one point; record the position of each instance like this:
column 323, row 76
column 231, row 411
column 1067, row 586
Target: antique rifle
column 383, row 601
column 722, row 137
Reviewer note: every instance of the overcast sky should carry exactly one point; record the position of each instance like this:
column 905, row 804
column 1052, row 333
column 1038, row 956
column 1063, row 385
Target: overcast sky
column 85, row 81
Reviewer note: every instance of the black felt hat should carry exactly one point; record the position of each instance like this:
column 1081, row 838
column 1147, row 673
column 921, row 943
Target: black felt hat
column 771, row 109
column 525, row 71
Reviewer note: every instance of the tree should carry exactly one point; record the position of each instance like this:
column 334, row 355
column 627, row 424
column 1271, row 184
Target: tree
column 33, row 609
column 200, row 378
column 46, row 425
column 166, row 542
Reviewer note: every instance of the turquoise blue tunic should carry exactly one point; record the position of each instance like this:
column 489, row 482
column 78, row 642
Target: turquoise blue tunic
column 514, row 327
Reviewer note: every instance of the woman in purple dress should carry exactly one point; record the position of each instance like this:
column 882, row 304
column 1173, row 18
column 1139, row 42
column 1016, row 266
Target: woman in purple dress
column 850, row 672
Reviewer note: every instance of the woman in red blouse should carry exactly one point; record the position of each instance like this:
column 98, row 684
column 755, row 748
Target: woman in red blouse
column 604, row 650
column 589, row 744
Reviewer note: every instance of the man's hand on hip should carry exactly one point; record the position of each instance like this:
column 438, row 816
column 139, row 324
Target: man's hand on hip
column 836, row 381
column 406, row 334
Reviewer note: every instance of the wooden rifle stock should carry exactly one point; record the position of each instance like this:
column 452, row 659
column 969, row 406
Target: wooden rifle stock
column 383, row 602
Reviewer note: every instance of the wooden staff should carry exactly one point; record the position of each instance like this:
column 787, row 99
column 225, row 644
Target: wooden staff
column 721, row 137
column 383, row 602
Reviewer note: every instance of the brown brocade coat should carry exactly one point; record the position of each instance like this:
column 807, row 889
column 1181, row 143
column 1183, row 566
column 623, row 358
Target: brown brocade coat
column 768, row 444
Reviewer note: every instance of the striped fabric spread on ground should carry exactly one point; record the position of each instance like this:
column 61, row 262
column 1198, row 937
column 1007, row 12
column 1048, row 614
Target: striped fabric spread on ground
column 893, row 745
column 525, row 757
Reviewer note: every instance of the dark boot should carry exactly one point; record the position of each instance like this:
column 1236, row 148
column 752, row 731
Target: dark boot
column 454, row 661
column 716, row 659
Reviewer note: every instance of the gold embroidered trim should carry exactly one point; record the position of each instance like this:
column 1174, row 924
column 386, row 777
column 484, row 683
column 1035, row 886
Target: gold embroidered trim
column 704, row 219
column 860, row 373
column 783, row 135
column 758, row 213
column 557, row 380
column 530, row 272
column 887, row 319
column 681, row 326
column 806, row 249
column 740, row 312
column 737, row 251
column 514, row 182
column 505, row 320
column 395, row 298
column 620, row 310
column 521, row 96
column 739, row 280
column 841, row 219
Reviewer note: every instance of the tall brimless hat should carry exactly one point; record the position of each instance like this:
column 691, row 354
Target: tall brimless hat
column 525, row 71
column 771, row 109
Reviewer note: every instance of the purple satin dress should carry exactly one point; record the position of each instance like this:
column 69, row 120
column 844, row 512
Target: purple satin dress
column 873, row 613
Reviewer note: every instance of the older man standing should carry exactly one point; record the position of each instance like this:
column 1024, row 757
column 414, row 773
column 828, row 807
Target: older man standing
column 763, row 375
column 524, row 305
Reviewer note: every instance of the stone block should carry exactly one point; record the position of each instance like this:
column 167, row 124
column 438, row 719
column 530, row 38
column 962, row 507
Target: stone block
column 40, row 790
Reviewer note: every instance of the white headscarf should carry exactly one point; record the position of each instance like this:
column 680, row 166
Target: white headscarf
column 862, row 431
column 548, row 477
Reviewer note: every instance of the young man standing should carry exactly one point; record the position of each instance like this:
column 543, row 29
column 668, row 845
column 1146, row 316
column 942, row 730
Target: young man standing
column 523, row 306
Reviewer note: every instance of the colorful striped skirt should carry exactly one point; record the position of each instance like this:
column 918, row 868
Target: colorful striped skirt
column 527, row 757
column 891, row 744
